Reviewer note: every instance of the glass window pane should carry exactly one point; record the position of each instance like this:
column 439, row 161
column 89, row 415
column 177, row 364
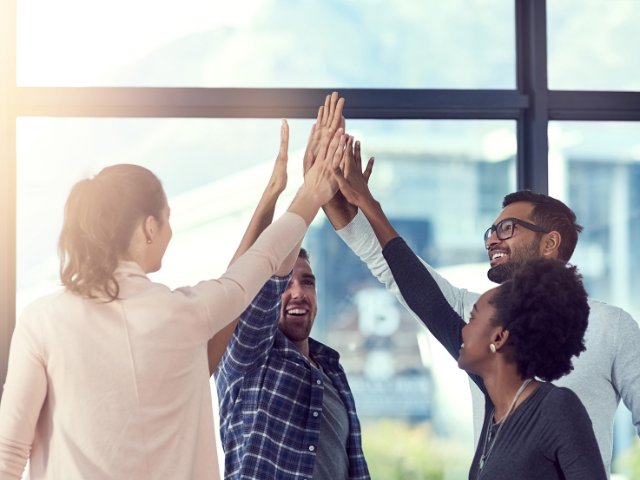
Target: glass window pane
column 594, row 167
column 440, row 182
column 593, row 44
column 267, row 43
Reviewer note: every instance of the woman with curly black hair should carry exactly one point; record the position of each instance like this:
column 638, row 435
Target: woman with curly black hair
column 520, row 336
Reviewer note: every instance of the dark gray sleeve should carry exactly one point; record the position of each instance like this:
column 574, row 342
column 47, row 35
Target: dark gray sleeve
column 424, row 298
column 568, row 437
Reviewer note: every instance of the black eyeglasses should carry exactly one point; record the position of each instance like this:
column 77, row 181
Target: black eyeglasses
column 505, row 228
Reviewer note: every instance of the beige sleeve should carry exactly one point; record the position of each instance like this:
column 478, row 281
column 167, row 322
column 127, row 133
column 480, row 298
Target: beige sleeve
column 24, row 393
column 228, row 296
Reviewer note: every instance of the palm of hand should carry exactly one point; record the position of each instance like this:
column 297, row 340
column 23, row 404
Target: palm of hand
column 278, row 181
column 329, row 117
column 353, row 182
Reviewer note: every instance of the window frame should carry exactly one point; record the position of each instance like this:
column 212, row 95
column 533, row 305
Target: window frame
column 531, row 104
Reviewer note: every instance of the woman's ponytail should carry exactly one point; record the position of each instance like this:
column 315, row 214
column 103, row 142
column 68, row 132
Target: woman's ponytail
column 100, row 217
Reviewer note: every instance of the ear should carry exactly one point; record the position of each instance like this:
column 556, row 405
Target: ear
column 149, row 228
column 500, row 338
column 549, row 245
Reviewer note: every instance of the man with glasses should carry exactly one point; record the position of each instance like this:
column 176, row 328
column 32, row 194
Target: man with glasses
column 531, row 226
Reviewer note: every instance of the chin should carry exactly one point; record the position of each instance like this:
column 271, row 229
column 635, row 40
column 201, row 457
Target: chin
column 461, row 363
column 501, row 272
column 155, row 268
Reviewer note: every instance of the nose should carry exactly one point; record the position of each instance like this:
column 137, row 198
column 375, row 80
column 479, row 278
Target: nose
column 296, row 291
column 492, row 240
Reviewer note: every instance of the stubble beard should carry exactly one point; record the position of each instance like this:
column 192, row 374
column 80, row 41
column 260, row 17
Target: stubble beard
column 505, row 271
column 297, row 333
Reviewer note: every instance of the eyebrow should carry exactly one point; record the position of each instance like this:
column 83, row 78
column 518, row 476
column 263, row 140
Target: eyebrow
column 309, row 276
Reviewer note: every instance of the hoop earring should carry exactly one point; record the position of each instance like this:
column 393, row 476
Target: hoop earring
column 492, row 347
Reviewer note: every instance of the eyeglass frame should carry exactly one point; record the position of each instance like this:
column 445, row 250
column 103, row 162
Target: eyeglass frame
column 516, row 221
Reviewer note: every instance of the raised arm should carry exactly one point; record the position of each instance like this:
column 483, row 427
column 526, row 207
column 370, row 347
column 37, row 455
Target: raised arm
column 417, row 286
column 262, row 218
column 319, row 186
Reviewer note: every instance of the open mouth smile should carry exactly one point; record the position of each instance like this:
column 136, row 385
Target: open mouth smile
column 497, row 257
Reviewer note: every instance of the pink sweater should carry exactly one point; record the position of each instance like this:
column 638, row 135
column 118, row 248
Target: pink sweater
column 121, row 390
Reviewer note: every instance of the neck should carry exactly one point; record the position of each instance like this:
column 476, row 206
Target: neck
column 303, row 346
column 502, row 384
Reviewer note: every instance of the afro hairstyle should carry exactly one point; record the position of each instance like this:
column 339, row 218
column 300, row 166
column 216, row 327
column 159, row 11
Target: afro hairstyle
column 545, row 310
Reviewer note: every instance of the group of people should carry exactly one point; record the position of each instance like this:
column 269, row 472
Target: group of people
column 108, row 377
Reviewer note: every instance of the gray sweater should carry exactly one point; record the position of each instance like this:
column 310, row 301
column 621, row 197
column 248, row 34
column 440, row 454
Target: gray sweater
column 608, row 371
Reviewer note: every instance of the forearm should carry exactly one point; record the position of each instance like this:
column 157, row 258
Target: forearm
column 305, row 204
column 339, row 211
column 261, row 219
column 218, row 345
column 255, row 331
column 423, row 295
column 379, row 222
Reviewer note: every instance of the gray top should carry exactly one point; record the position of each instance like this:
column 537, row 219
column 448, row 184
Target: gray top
column 332, row 462
column 603, row 375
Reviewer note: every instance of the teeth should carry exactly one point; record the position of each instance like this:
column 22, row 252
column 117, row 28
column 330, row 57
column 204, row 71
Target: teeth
column 498, row 255
column 296, row 311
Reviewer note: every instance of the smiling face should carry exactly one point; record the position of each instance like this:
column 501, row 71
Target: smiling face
column 478, row 334
column 299, row 303
column 507, row 256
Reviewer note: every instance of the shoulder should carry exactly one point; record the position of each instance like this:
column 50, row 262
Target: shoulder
column 604, row 313
column 44, row 307
column 561, row 402
column 613, row 321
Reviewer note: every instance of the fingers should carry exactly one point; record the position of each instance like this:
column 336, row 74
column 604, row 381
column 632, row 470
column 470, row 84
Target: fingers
column 335, row 141
column 324, row 145
column 336, row 114
column 358, row 157
column 320, row 115
column 284, row 138
column 369, row 169
column 346, row 163
column 332, row 105
column 308, row 159
column 325, row 111
column 339, row 152
column 343, row 184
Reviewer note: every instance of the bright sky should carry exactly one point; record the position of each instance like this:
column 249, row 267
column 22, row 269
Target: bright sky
column 69, row 42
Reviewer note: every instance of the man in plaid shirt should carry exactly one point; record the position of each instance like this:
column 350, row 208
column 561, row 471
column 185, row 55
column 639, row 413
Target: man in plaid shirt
column 286, row 410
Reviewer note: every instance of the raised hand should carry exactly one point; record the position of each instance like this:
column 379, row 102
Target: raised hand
column 329, row 117
column 261, row 219
column 278, row 180
column 353, row 182
column 354, row 186
column 319, row 178
column 320, row 184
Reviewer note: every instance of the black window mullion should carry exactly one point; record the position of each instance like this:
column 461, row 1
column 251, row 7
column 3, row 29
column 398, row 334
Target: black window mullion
column 266, row 102
column 531, row 64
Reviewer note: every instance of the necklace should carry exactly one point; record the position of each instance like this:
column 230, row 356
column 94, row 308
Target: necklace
column 485, row 456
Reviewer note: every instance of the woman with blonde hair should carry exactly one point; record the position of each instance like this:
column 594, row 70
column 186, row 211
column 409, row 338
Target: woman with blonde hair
column 108, row 377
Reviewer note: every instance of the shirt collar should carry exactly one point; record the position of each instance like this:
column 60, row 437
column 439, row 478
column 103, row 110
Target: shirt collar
column 129, row 269
column 319, row 351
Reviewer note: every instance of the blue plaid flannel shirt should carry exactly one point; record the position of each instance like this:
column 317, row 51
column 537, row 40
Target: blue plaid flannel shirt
column 269, row 394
